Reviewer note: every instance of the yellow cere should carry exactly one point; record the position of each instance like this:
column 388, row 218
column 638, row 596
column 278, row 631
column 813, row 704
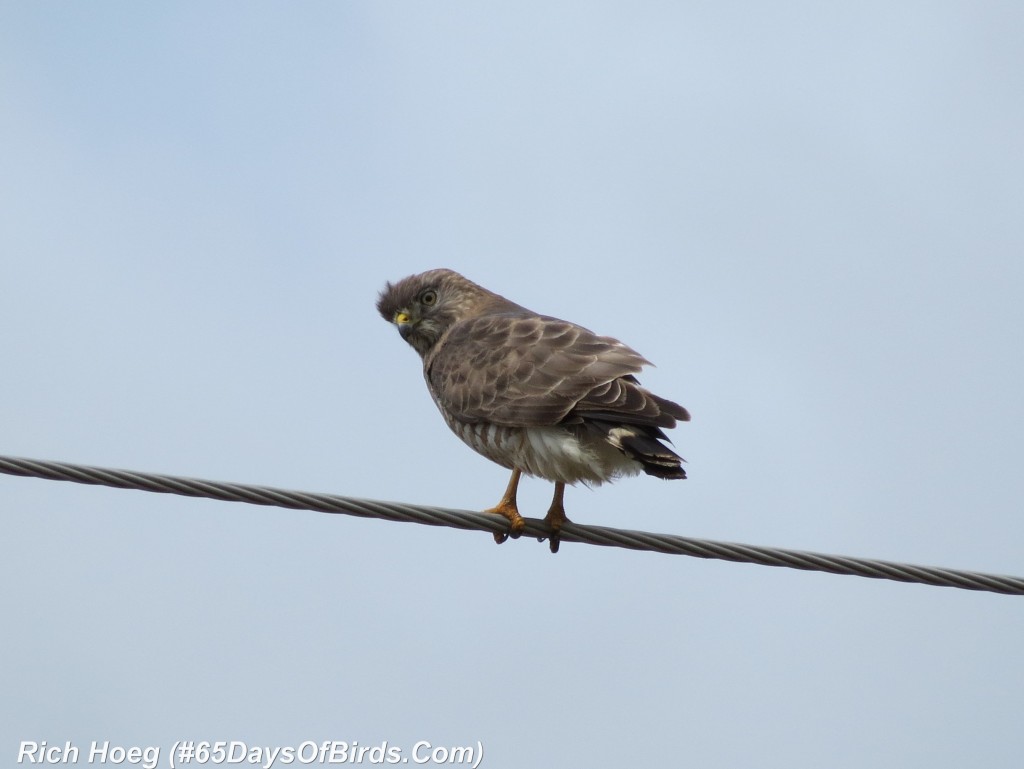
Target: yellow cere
column 401, row 317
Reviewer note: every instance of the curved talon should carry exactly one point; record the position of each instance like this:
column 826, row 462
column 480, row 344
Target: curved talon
column 515, row 527
column 555, row 518
column 507, row 508
column 555, row 538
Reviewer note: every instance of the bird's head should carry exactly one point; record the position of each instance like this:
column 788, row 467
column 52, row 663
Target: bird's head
column 424, row 306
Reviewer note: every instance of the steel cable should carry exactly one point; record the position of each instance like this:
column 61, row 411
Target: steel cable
column 463, row 519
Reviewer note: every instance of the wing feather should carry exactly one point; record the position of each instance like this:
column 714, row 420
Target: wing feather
column 517, row 370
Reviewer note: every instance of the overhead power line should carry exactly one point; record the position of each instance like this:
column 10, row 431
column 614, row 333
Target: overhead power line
column 464, row 519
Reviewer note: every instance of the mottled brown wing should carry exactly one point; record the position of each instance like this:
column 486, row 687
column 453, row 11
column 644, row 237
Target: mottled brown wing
column 624, row 401
column 514, row 370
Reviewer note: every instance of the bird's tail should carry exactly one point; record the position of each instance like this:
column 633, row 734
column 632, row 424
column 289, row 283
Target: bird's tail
column 656, row 458
column 643, row 443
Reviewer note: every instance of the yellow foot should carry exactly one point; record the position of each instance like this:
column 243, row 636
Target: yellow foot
column 515, row 521
column 554, row 522
column 555, row 525
column 555, row 518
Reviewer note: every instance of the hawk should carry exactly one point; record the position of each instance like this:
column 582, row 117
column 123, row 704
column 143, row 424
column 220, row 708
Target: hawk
column 534, row 394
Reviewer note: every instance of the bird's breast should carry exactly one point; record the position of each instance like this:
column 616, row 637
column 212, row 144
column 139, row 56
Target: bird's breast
column 553, row 453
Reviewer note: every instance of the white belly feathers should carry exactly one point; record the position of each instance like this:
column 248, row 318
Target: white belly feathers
column 552, row 453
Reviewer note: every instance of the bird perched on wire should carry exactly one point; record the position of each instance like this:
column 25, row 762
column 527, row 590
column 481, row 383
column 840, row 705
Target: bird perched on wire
column 532, row 393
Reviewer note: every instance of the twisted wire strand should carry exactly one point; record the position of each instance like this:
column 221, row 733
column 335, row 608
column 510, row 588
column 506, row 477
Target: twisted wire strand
column 463, row 519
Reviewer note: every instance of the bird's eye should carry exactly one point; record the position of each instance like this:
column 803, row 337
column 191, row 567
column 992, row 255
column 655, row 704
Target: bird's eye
column 428, row 297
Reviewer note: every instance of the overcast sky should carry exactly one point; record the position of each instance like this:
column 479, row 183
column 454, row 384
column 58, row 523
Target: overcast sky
column 811, row 218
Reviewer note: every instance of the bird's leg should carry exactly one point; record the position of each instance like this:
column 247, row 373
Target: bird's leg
column 508, row 508
column 556, row 517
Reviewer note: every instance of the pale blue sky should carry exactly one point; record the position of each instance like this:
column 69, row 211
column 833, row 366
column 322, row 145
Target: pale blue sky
column 810, row 218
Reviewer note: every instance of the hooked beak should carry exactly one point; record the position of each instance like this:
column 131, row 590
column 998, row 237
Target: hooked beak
column 404, row 323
